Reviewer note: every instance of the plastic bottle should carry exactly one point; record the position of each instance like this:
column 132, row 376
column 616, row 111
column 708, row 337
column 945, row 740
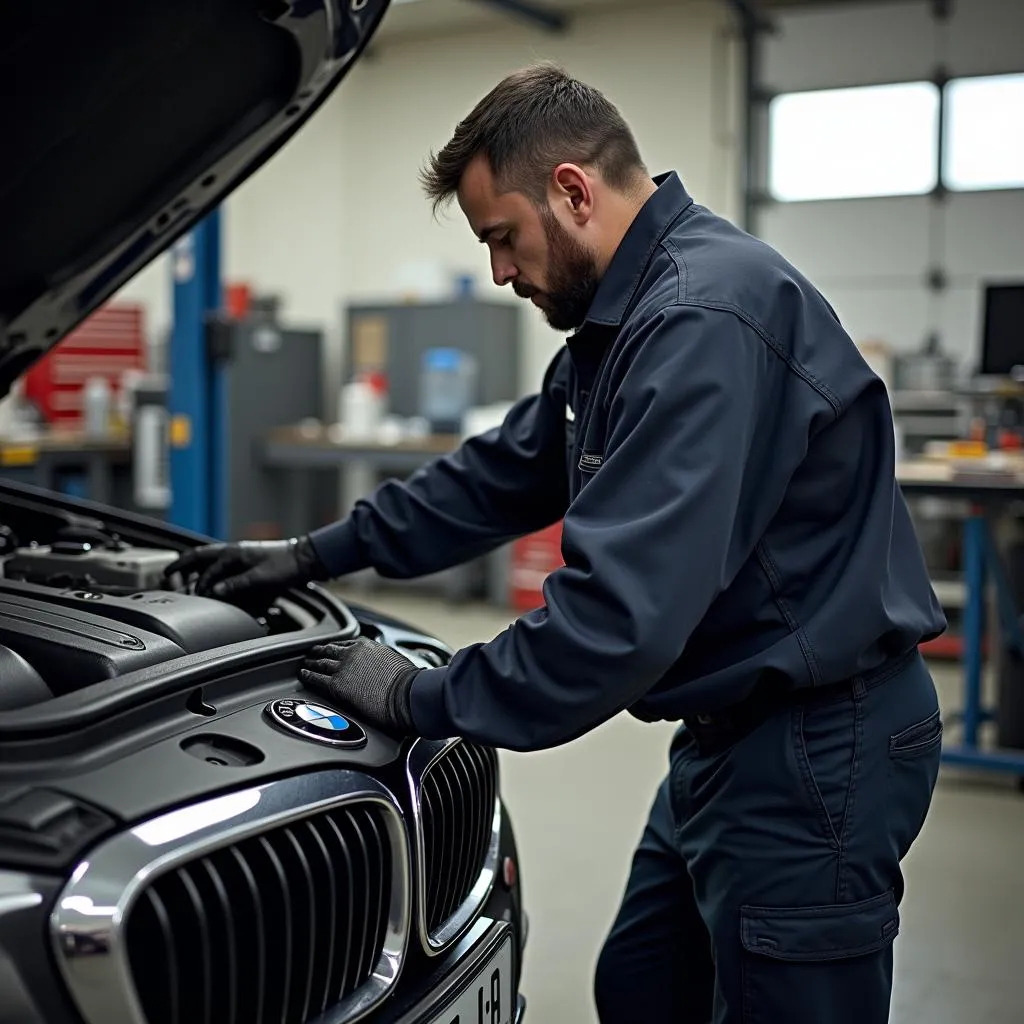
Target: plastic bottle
column 448, row 384
column 96, row 407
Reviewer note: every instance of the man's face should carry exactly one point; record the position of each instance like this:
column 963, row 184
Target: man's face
column 530, row 249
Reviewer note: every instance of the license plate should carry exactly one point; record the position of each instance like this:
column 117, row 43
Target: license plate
column 487, row 999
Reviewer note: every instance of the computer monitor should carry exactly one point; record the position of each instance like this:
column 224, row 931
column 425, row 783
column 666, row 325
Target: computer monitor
column 1002, row 343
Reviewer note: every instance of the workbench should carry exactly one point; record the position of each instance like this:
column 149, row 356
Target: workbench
column 299, row 452
column 987, row 495
column 41, row 460
column 320, row 447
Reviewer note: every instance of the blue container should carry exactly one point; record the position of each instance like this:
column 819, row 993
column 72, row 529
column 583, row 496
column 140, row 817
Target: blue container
column 448, row 386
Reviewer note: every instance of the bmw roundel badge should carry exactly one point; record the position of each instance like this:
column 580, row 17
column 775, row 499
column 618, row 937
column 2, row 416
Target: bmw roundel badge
column 316, row 722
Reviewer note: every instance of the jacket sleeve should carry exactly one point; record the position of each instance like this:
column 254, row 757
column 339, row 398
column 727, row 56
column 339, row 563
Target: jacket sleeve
column 505, row 483
column 648, row 543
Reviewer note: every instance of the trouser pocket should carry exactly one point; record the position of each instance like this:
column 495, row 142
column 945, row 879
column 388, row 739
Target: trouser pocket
column 812, row 965
column 914, row 756
column 917, row 740
column 826, row 748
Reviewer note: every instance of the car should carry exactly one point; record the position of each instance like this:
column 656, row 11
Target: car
column 187, row 834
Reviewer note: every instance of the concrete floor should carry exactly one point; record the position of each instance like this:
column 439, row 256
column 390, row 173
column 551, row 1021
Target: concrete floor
column 578, row 812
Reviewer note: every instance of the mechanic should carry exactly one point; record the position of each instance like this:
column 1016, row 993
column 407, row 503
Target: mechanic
column 738, row 558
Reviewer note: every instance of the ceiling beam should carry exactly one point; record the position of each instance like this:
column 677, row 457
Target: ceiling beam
column 534, row 13
column 750, row 15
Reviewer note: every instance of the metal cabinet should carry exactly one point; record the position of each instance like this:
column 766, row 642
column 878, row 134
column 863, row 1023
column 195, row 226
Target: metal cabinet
column 394, row 338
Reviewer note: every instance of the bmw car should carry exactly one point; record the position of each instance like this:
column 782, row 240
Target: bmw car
column 186, row 834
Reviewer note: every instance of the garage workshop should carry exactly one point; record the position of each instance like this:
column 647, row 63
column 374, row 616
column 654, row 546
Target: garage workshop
column 512, row 511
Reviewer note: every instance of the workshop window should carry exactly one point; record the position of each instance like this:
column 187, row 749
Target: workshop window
column 879, row 140
column 984, row 128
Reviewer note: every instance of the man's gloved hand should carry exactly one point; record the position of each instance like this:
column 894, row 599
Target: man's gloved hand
column 251, row 570
column 372, row 680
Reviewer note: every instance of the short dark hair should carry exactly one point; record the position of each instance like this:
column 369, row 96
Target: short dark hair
column 529, row 123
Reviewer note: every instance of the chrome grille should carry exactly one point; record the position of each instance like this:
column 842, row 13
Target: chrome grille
column 279, row 920
column 275, row 928
column 458, row 830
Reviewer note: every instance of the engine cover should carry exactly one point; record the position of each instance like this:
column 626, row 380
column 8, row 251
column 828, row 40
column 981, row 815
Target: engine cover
column 20, row 684
column 70, row 649
column 193, row 623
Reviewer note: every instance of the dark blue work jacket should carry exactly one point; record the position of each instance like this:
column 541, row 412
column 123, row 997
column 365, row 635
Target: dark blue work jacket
column 723, row 459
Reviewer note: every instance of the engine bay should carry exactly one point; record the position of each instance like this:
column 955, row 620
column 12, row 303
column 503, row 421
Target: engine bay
column 82, row 602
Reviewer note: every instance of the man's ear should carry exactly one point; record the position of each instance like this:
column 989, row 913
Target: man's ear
column 572, row 190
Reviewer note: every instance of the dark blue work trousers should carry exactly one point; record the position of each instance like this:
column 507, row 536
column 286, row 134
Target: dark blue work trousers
column 766, row 887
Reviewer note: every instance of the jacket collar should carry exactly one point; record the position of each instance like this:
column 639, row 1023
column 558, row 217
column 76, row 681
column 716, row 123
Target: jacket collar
column 627, row 266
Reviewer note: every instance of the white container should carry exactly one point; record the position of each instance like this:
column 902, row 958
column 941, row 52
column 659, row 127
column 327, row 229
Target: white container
column 96, row 407
column 362, row 411
column 9, row 414
column 19, row 419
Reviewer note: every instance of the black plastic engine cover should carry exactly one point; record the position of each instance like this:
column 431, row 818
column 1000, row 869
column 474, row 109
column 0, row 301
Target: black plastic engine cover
column 20, row 684
column 72, row 649
column 193, row 623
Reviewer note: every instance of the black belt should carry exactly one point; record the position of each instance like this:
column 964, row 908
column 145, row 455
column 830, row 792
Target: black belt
column 733, row 722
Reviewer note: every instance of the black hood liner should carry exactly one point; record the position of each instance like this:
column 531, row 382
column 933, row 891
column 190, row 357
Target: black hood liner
column 126, row 121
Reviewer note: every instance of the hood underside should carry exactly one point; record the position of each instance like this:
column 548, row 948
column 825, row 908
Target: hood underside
column 127, row 121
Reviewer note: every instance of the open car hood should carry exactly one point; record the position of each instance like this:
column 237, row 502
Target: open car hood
column 126, row 121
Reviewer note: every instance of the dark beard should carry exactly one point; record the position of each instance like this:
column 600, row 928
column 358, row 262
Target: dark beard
column 572, row 277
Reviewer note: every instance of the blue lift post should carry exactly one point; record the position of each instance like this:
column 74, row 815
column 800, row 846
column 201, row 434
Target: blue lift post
column 981, row 563
column 197, row 388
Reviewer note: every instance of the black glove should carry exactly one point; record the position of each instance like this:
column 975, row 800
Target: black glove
column 372, row 680
column 251, row 570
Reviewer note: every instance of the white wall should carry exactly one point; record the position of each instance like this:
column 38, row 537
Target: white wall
column 281, row 232
column 871, row 256
column 151, row 288
column 337, row 216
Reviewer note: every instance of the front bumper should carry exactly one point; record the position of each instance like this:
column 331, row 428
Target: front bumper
column 472, row 952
